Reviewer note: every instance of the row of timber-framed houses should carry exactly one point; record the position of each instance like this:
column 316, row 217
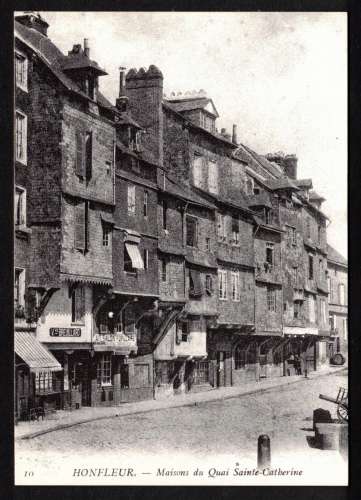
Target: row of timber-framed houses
column 153, row 255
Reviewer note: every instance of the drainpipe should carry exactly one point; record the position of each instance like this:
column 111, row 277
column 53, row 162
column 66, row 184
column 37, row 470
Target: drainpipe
column 184, row 246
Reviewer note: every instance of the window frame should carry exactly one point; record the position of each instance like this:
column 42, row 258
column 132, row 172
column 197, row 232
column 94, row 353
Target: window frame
column 222, row 284
column 107, row 231
column 21, row 55
column 78, row 320
column 221, row 227
column 22, row 209
column 145, row 203
column 311, row 273
column 194, row 221
column 342, row 296
column 131, row 199
column 197, row 163
column 24, row 137
column 270, row 250
column 209, row 284
column 271, row 299
column 104, row 370
column 21, row 286
column 164, row 270
column 146, row 258
column 235, row 286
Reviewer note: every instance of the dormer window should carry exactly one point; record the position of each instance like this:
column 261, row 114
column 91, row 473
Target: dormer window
column 207, row 122
column 134, row 138
column 21, row 71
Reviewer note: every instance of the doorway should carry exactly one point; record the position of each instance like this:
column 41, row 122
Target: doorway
column 220, row 369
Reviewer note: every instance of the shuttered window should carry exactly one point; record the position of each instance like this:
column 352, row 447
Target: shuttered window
column 81, row 224
column 84, row 154
column 78, row 304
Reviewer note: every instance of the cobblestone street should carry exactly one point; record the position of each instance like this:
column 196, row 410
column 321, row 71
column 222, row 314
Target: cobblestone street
column 220, row 428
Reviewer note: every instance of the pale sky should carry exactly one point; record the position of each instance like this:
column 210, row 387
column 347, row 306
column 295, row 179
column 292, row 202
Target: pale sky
column 281, row 77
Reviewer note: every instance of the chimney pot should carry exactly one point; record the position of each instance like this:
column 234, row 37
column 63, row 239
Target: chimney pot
column 86, row 47
column 234, row 134
column 223, row 131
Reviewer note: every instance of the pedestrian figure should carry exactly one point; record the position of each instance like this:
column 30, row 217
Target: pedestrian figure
column 297, row 363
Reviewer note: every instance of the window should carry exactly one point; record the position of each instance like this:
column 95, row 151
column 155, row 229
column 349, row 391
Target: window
column 106, row 232
column 329, row 287
column 195, row 284
column 109, row 167
column 84, row 154
column 209, row 284
column 269, row 253
column 344, row 326
column 104, row 370
column 208, row 244
column 197, row 170
column 81, row 226
column 146, row 258
column 135, row 165
column 308, row 227
column 164, row 214
column 310, row 267
column 295, row 275
column 333, row 322
column 163, row 270
column 221, row 227
column 191, row 231
column 128, row 319
column 19, row 287
column 43, row 382
column 297, row 309
column 128, row 263
column 145, row 204
column 271, row 299
column 240, row 357
column 291, row 235
column 222, row 285
column 201, row 372
column 250, row 186
column 213, row 177
column 20, row 206
column 103, row 321
column 183, row 331
column 268, row 215
column 21, row 137
column 256, row 191
column 312, row 308
column 77, row 304
column 341, row 294
column 235, row 286
column 131, row 199
column 319, row 234
column 21, row 71
column 235, row 230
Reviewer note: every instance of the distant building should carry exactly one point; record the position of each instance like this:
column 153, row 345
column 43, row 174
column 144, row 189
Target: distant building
column 337, row 301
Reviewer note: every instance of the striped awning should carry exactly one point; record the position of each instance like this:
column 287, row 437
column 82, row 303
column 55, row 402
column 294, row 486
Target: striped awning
column 134, row 254
column 78, row 278
column 35, row 355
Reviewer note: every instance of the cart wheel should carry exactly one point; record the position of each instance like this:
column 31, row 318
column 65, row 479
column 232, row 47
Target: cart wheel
column 342, row 412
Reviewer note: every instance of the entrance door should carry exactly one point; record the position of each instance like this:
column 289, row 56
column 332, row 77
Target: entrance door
column 220, row 369
column 263, row 365
column 84, row 383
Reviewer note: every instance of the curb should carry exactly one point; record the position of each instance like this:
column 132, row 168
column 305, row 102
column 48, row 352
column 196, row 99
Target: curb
column 177, row 405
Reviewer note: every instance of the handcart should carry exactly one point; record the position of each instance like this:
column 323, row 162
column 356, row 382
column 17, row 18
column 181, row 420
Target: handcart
column 341, row 401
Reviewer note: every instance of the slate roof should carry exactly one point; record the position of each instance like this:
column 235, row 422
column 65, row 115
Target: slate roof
column 183, row 192
column 313, row 196
column 303, row 183
column 282, row 183
column 54, row 59
column 190, row 103
column 334, row 256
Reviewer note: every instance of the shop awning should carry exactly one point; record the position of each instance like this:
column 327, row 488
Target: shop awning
column 34, row 354
column 298, row 330
column 134, row 254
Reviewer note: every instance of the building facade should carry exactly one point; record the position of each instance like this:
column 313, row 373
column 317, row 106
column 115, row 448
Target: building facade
column 154, row 255
column 337, row 301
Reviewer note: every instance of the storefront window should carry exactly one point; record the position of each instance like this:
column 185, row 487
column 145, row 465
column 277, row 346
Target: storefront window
column 104, row 370
column 43, row 382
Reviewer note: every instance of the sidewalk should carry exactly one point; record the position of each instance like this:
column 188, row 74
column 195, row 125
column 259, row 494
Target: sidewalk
column 63, row 419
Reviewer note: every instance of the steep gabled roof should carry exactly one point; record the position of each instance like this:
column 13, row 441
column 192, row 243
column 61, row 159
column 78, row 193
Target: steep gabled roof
column 334, row 256
column 260, row 163
column 303, row 183
column 179, row 190
column 54, row 59
column 313, row 196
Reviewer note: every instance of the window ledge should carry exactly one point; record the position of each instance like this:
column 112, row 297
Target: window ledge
column 22, row 228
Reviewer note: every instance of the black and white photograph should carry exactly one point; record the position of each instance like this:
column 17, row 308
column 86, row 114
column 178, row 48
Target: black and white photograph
column 180, row 248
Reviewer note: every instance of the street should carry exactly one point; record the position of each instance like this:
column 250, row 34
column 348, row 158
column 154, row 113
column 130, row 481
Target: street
column 220, row 428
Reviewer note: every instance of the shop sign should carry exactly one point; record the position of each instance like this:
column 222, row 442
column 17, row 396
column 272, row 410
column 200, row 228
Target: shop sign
column 65, row 332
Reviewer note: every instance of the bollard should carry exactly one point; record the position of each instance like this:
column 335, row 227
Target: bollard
column 263, row 451
column 306, row 373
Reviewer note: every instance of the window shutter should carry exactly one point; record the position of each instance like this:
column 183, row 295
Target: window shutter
column 79, row 226
column 89, row 154
column 80, row 154
column 81, row 301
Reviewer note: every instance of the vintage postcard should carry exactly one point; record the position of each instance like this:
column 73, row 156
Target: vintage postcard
column 180, row 277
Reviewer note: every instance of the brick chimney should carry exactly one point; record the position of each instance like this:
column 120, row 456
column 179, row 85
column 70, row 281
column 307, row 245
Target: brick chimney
column 122, row 101
column 35, row 21
column 144, row 89
column 86, row 47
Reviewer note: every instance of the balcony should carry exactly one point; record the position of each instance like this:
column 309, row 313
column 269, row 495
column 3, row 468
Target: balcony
column 118, row 342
